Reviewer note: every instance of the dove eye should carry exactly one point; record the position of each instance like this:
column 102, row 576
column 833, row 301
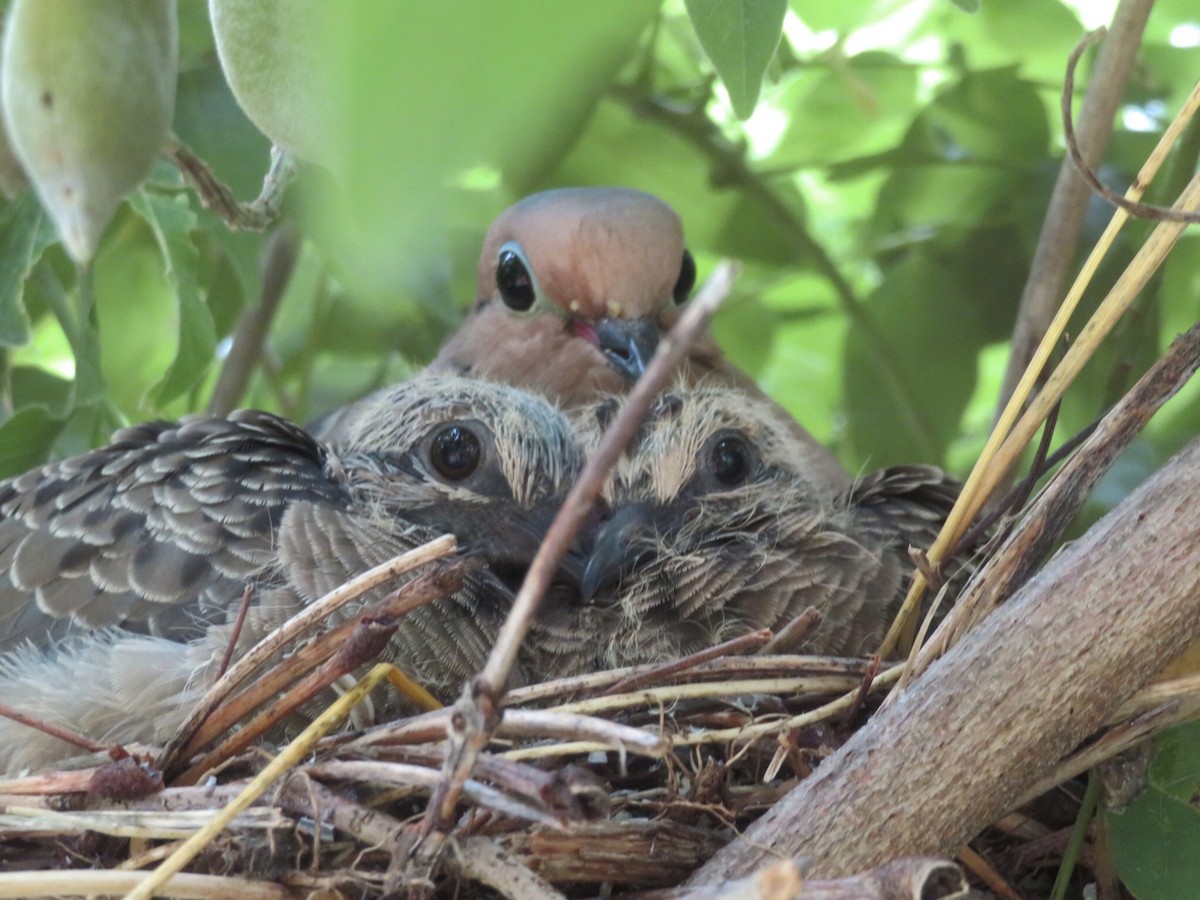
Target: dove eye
column 730, row 459
column 455, row 452
column 514, row 280
column 686, row 281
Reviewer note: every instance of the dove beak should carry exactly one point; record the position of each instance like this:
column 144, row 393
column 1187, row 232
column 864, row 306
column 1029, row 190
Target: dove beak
column 627, row 344
column 623, row 544
column 510, row 544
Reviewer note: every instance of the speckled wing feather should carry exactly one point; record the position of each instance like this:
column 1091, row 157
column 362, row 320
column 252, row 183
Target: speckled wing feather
column 909, row 503
column 158, row 532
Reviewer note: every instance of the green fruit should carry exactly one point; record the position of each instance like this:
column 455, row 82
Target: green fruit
column 88, row 93
column 270, row 52
column 12, row 176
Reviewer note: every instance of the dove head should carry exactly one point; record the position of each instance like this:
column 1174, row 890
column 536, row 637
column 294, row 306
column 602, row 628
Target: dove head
column 718, row 529
column 576, row 286
column 453, row 439
column 484, row 461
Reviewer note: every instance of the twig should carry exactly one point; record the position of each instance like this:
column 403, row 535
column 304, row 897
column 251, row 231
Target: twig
column 77, row 882
column 477, row 711
column 1055, row 253
column 740, row 734
column 429, row 727
column 287, row 758
column 676, row 693
column 752, row 641
column 793, row 633
column 1134, row 208
column 1049, row 515
column 346, row 648
column 864, row 689
column 557, row 724
column 63, row 734
column 481, row 860
column 131, row 823
column 366, row 639
column 727, row 668
column 523, row 724
column 408, row 775
column 295, row 626
column 246, row 351
column 236, row 632
column 305, row 797
column 570, row 792
column 983, row 870
column 257, row 215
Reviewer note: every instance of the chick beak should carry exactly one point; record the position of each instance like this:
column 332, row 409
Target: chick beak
column 623, row 544
column 628, row 344
column 509, row 545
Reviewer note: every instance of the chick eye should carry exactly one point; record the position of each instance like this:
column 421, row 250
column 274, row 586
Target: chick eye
column 455, row 452
column 513, row 279
column 686, row 281
column 729, row 460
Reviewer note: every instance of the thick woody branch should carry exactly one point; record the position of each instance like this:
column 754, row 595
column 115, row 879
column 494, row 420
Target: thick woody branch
column 999, row 711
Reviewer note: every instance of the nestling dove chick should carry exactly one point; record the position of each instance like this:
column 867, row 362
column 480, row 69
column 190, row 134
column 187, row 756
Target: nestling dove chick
column 122, row 569
column 716, row 531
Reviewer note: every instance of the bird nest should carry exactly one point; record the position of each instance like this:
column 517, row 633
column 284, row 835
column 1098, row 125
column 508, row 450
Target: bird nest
column 615, row 781
column 620, row 782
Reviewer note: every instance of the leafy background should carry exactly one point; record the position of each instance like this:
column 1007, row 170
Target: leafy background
column 884, row 191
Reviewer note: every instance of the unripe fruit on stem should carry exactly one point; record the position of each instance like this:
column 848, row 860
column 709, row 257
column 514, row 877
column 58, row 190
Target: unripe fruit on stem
column 88, row 93
column 12, row 176
column 271, row 55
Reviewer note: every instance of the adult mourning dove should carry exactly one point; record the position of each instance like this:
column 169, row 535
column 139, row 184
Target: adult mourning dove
column 575, row 288
column 121, row 570
column 717, row 531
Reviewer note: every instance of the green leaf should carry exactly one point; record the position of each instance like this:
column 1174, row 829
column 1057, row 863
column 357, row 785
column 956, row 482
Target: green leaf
column 1036, row 35
column 34, row 386
column 969, row 6
column 25, row 231
column 993, row 115
column 1154, row 839
column 740, row 37
column 906, row 382
column 26, row 438
column 752, row 232
column 171, row 221
column 849, row 108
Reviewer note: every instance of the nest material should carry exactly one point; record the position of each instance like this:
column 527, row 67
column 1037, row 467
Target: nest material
column 691, row 758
